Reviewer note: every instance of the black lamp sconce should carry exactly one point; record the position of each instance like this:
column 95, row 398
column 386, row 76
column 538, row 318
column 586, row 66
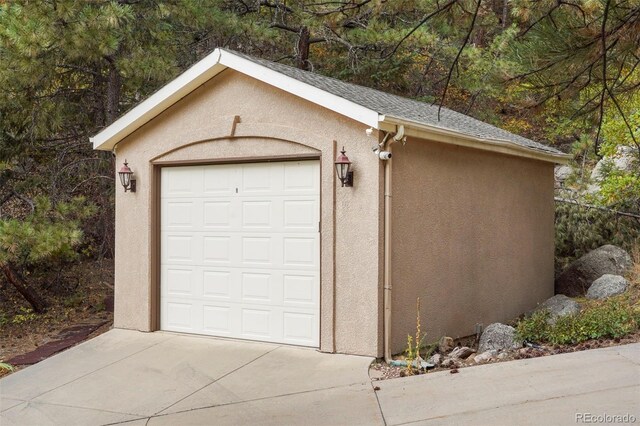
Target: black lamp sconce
column 343, row 169
column 125, row 174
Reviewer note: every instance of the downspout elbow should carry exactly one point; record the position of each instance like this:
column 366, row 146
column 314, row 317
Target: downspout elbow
column 399, row 134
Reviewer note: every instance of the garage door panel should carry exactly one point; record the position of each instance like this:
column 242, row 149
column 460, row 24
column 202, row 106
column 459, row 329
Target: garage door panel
column 181, row 182
column 300, row 215
column 180, row 282
column 180, row 248
column 217, row 214
column 240, row 251
column 298, row 328
column 217, row 320
column 257, row 250
column 300, row 290
column 216, row 249
column 180, row 316
column 295, row 214
column 300, row 178
column 219, row 180
column 217, row 285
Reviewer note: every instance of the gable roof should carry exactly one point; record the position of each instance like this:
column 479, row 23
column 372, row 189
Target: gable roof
column 371, row 107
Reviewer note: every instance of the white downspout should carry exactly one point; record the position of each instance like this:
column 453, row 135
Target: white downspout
column 387, row 242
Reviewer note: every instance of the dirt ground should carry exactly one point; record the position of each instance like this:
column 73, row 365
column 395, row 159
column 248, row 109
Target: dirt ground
column 77, row 294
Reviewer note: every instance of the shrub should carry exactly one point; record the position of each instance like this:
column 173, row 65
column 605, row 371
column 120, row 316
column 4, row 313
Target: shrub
column 612, row 318
column 580, row 229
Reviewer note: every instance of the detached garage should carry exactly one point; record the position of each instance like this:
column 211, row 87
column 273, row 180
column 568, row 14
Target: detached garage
column 242, row 218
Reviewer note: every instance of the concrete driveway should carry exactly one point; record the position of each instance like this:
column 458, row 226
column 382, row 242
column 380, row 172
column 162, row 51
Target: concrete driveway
column 159, row 378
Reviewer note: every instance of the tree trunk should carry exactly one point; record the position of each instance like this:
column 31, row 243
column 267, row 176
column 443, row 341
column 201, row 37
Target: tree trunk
column 505, row 13
column 23, row 287
column 304, row 41
column 114, row 86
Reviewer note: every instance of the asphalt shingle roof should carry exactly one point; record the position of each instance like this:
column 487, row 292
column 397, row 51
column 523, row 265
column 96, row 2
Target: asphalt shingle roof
column 402, row 108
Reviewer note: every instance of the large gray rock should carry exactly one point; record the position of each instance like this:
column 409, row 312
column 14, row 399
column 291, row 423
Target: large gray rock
column 559, row 306
column 606, row 286
column 561, row 174
column 461, row 353
column 579, row 275
column 499, row 337
column 624, row 159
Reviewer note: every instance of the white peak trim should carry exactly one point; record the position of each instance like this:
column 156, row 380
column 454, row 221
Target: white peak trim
column 145, row 111
column 206, row 69
column 298, row 88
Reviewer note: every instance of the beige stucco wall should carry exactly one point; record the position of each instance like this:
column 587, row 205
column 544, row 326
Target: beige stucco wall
column 272, row 124
column 472, row 237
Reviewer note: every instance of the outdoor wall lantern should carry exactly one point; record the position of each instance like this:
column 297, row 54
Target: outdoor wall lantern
column 343, row 168
column 125, row 174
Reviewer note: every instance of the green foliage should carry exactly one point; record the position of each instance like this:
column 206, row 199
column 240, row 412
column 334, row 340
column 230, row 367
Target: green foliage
column 412, row 352
column 610, row 319
column 50, row 233
column 74, row 301
column 534, row 328
column 622, row 187
column 25, row 315
column 5, row 366
column 580, row 229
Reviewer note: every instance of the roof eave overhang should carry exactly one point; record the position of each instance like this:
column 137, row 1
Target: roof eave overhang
column 438, row 134
column 155, row 104
column 209, row 67
column 219, row 60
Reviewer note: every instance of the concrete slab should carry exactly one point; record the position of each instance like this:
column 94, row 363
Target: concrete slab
column 6, row 403
column 288, row 370
column 631, row 352
column 556, row 411
column 140, row 422
column 152, row 380
column 347, row 405
column 495, row 385
column 32, row 413
column 209, row 396
column 129, row 377
column 80, row 360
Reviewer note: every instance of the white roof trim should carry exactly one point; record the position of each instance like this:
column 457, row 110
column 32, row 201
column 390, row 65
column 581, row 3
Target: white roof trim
column 305, row 91
column 421, row 130
column 175, row 90
column 206, row 69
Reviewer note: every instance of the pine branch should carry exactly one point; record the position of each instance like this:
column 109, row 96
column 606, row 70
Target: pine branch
column 439, row 10
column 455, row 61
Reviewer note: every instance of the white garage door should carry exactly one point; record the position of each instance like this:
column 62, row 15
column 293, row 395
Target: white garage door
column 240, row 251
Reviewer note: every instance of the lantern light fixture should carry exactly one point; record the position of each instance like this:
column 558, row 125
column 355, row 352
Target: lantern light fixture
column 125, row 174
column 343, row 169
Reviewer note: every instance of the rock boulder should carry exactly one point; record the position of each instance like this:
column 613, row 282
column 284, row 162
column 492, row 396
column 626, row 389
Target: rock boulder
column 579, row 275
column 606, row 286
column 461, row 353
column 445, row 344
column 499, row 337
column 559, row 306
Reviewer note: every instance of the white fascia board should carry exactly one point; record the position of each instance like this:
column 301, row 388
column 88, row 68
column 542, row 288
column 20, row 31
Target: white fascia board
column 206, row 69
column 302, row 90
column 175, row 90
column 440, row 134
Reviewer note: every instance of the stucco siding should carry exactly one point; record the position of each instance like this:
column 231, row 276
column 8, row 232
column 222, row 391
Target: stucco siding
column 273, row 124
column 472, row 237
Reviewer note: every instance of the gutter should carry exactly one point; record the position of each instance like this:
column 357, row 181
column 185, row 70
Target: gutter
column 438, row 134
